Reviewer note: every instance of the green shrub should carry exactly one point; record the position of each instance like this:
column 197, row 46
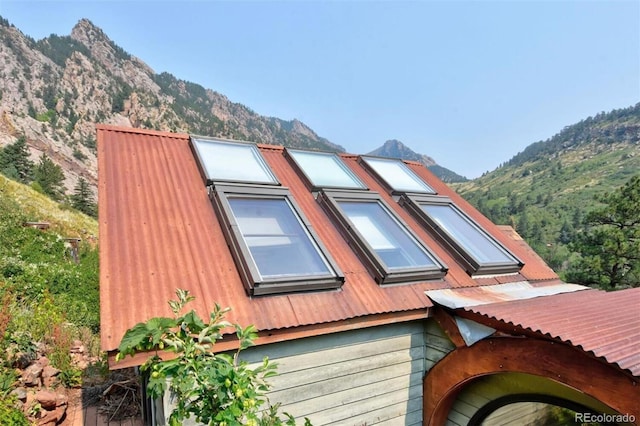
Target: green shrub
column 214, row 388
column 10, row 415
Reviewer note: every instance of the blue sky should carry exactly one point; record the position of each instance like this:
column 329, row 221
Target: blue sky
column 470, row 83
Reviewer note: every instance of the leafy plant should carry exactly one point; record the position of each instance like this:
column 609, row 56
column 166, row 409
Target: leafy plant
column 215, row 388
column 8, row 380
column 10, row 415
column 60, row 357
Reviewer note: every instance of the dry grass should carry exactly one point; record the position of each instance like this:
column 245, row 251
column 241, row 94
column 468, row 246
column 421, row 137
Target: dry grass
column 40, row 208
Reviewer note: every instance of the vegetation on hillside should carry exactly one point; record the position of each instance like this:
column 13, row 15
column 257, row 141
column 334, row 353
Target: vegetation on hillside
column 609, row 247
column 547, row 192
column 49, row 293
column 45, row 177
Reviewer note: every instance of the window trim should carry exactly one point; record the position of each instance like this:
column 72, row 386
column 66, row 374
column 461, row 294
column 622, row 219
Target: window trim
column 377, row 267
column 255, row 284
column 210, row 180
column 386, row 185
column 307, row 180
column 473, row 266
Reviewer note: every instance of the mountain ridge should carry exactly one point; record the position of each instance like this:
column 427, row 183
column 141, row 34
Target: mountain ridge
column 54, row 90
column 395, row 149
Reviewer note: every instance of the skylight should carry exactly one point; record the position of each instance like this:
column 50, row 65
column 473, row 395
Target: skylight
column 475, row 247
column 386, row 245
column 325, row 170
column 396, row 175
column 274, row 246
column 387, row 238
column 279, row 245
column 232, row 161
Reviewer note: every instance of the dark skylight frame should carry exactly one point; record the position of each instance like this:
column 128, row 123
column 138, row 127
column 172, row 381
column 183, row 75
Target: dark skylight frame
column 394, row 239
column 282, row 266
column 471, row 245
column 333, row 173
column 221, row 160
column 395, row 176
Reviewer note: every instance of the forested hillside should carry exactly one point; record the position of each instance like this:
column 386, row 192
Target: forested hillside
column 547, row 190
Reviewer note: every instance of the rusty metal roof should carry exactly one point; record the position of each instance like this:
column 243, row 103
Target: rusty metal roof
column 482, row 295
column 159, row 232
column 604, row 324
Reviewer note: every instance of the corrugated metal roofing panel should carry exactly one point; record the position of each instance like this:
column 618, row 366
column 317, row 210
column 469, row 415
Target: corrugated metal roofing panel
column 458, row 298
column 159, row 232
column 606, row 324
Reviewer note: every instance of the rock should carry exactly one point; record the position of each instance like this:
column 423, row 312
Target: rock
column 51, row 418
column 31, row 376
column 77, row 347
column 49, row 376
column 61, row 400
column 43, row 361
column 20, row 394
column 22, row 360
column 47, row 399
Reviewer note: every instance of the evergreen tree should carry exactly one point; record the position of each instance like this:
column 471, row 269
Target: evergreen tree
column 610, row 245
column 15, row 162
column 50, row 177
column 82, row 198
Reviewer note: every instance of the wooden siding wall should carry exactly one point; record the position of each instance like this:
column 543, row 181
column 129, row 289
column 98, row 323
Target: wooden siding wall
column 364, row 377
column 438, row 344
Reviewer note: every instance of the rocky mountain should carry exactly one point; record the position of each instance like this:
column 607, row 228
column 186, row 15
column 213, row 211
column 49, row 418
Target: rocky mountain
column 395, row 149
column 54, row 91
column 546, row 190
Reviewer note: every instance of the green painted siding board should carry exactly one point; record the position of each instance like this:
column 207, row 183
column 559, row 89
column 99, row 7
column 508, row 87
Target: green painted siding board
column 368, row 376
column 388, row 405
column 320, row 388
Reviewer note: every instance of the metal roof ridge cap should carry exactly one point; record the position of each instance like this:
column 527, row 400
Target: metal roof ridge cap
column 139, row 131
column 521, row 290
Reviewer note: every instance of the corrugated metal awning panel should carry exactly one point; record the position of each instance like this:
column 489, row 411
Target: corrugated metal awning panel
column 606, row 324
column 516, row 291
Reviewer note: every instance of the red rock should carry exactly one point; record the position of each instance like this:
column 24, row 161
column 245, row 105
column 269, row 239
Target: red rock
column 49, row 376
column 31, row 376
column 47, row 399
column 51, row 418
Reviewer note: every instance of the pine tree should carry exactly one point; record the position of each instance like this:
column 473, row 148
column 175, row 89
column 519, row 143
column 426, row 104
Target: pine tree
column 82, row 198
column 15, row 162
column 610, row 245
column 50, row 177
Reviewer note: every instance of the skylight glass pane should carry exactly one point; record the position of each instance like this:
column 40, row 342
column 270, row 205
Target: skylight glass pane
column 391, row 242
column 326, row 170
column 467, row 234
column 279, row 244
column 231, row 161
column 398, row 175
